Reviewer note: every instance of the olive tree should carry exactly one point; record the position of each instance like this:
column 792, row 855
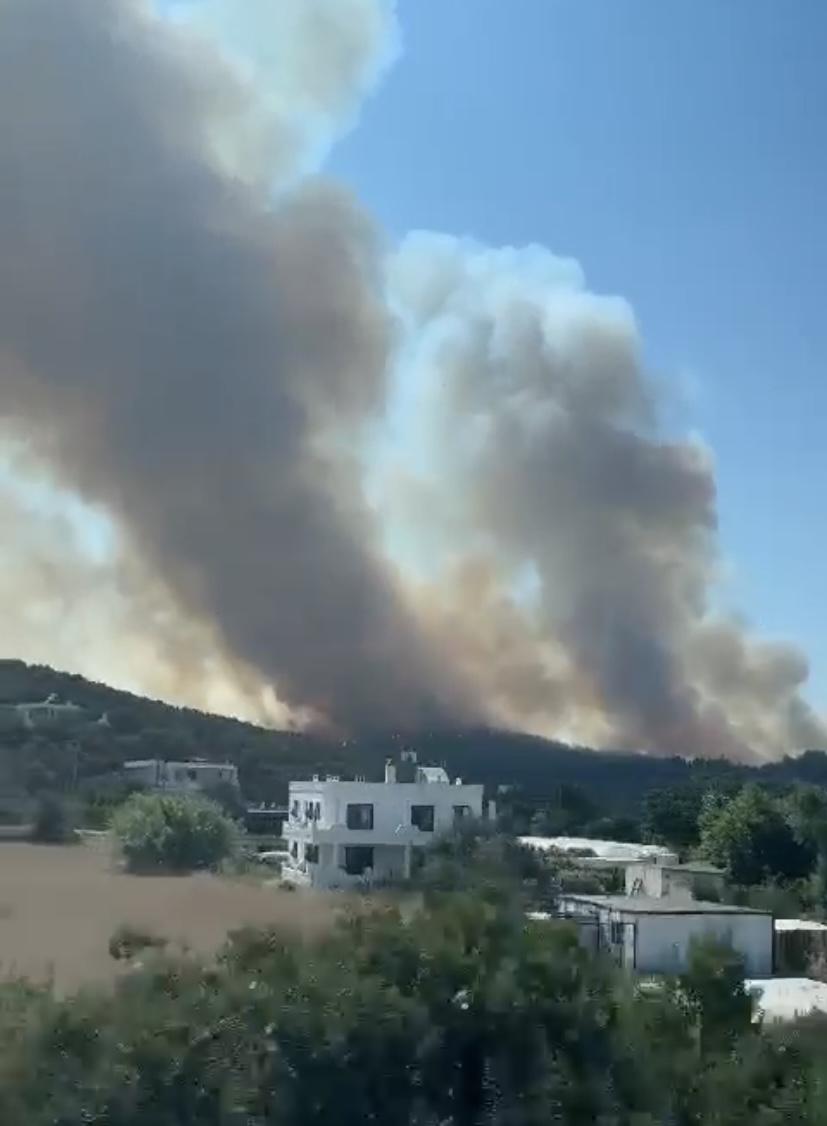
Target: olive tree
column 173, row 833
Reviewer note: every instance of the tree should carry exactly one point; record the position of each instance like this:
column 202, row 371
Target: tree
column 461, row 1014
column 169, row 832
column 671, row 816
column 53, row 821
column 807, row 812
column 714, row 988
column 750, row 836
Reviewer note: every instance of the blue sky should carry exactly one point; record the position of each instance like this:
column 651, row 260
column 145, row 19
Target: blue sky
column 677, row 151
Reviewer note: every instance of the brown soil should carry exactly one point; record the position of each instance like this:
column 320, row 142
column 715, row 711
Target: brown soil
column 60, row 905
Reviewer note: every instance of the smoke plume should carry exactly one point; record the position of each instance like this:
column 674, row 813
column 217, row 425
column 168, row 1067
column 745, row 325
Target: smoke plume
column 196, row 338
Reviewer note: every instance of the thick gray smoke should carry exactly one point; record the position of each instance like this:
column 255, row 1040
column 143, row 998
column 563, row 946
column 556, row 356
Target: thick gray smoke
column 541, row 426
column 185, row 355
column 195, row 337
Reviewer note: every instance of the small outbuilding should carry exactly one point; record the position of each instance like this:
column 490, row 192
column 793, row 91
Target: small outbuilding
column 695, row 878
column 653, row 935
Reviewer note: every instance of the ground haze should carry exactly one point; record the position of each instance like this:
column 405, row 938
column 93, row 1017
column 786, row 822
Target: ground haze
column 60, row 905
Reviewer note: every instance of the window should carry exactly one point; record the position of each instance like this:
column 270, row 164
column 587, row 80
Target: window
column 311, row 853
column 294, row 811
column 461, row 812
column 294, row 849
column 422, row 818
column 359, row 816
column 616, row 935
column 358, row 859
column 193, row 777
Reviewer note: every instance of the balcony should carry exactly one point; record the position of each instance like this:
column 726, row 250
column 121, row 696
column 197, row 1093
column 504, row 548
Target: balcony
column 338, row 833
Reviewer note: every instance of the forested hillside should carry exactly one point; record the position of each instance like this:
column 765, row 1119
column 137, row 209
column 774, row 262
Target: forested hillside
column 59, row 754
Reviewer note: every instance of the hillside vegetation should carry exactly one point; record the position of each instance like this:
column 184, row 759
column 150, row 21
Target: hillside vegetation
column 80, row 752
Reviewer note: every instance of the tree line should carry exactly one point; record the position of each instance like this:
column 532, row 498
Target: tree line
column 83, row 754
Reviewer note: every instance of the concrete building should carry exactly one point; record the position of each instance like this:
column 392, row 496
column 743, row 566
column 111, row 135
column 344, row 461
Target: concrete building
column 193, row 776
column 340, row 833
column 694, row 880
column 47, row 711
column 654, row 935
column 788, row 998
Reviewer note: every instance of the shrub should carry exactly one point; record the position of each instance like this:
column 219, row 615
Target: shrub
column 53, row 822
column 173, row 833
column 128, row 941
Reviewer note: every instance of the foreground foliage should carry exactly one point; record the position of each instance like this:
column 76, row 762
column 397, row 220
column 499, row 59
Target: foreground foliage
column 460, row 1013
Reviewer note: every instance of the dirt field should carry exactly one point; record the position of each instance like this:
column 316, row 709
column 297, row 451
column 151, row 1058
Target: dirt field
column 60, row 905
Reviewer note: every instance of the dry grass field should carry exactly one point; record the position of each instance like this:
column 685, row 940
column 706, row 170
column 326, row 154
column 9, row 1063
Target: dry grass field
column 60, row 905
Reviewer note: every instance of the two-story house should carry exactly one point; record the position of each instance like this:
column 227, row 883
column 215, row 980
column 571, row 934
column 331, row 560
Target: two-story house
column 339, row 833
column 191, row 777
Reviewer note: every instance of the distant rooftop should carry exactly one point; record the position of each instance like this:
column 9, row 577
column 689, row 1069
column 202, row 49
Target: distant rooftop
column 623, row 852
column 665, row 905
column 785, row 998
column 432, row 774
column 799, row 925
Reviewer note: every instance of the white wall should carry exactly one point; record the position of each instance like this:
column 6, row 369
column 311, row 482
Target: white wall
column 388, row 864
column 658, row 942
column 662, row 941
column 660, row 880
column 651, row 876
column 177, row 775
column 142, row 774
column 391, row 801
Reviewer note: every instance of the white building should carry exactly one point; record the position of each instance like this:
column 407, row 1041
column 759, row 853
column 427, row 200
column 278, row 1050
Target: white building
column 788, row 998
column 340, row 833
column 49, row 710
column 589, row 853
column 194, row 776
column 693, row 879
column 654, row 935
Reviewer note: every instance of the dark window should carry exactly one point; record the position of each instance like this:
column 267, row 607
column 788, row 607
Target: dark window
column 191, row 774
column 311, row 853
column 461, row 812
column 422, row 818
column 359, row 816
column 616, row 934
column 358, row 858
column 417, row 859
column 294, row 810
column 294, row 849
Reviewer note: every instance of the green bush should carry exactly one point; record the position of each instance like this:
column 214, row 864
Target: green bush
column 173, row 833
column 53, row 821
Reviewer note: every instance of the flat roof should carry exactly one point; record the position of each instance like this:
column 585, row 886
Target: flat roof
column 666, row 905
column 799, row 925
column 442, row 787
column 699, row 866
column 622, row 852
